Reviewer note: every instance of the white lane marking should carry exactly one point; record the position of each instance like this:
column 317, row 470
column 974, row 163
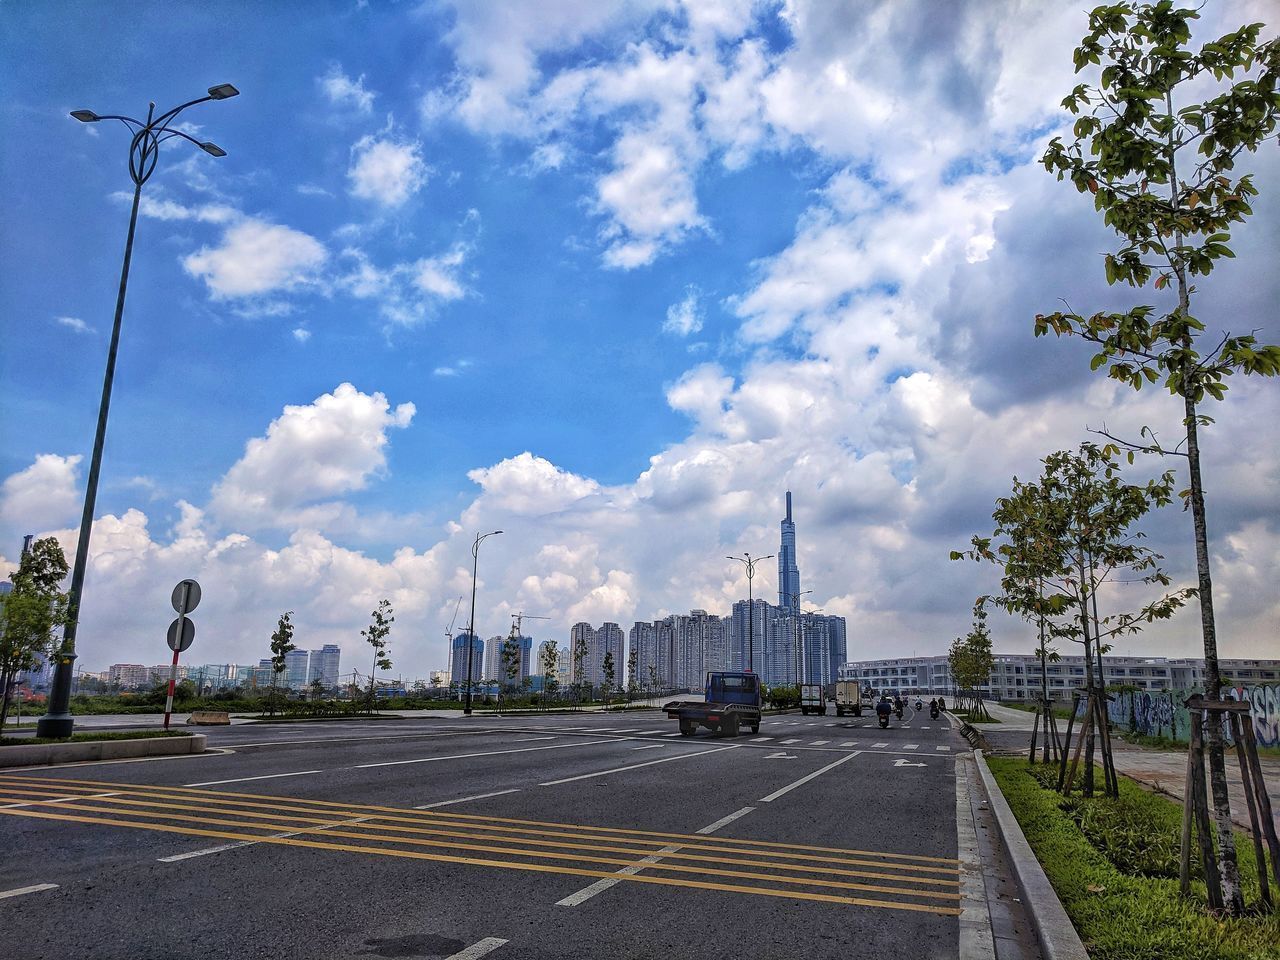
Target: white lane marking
column 676, row 734
column 807, row 777
column 479, row 949
column 818, row 743
column 32, row 803
column 760, row 739
column 649, row 746
column 903, row 762
column 622, row 730
column 912, row 746
column 790, row 741
column 600, row 886
column 531, row 739
column 398, row 736
column 478, row 796
column 876, row 746
column 34, row 888
column 636, row 766
column 489, row 753
column 942, row 748
column 849, row 743
column 268, row 776
column 222, row 848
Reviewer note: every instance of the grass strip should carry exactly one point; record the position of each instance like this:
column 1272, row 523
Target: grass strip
column 1113, row 864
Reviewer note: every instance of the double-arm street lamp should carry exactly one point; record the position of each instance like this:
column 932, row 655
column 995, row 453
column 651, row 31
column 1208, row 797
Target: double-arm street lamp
column 750, row 563
column 795, row 612
column 471, row 630
column 144, row 151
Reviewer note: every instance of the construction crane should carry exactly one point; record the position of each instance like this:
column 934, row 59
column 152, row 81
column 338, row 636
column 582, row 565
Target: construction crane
column 517, row 622
column 448, row 634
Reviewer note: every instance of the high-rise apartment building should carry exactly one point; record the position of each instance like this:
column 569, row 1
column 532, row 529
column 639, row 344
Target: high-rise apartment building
column 127, row 676
column 582, row 638
column 493, row 658
column 463, row 643
column 295, row 669
column 643, row 641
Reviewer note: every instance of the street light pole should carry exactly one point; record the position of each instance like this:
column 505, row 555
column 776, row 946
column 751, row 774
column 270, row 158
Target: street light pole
column 751, row 605
column 144, row 152
column 795, row 607
column 471, row 629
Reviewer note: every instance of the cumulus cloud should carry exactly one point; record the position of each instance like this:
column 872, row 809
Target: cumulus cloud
column 73, row 323
column 386, row 171
column 310, row 455
column 41, row 495
column 256, row 258
column 684, row 318
column 342, row 91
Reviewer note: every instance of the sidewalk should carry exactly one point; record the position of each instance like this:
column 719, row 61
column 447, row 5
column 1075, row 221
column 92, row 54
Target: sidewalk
column 1164, row 771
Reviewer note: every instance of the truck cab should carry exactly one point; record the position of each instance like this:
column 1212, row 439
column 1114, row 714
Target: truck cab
column 733, row 700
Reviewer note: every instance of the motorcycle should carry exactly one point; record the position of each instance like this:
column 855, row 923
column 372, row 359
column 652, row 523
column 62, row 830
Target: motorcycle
column 919, row 705
column 898, row 712
column 933, row 713
column 884, row 721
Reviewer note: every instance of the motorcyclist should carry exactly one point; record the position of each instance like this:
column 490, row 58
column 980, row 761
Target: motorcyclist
column 942, row 704
column 933, row 708
column 919, row 704
column 884, row 707
column 898, row 705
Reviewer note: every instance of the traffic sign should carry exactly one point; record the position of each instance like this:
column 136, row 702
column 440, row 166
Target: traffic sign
column 177, row 644
column 193, row 597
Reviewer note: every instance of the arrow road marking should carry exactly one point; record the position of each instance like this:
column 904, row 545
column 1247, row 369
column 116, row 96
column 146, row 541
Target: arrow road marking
column 906, row 763
column 781, row 756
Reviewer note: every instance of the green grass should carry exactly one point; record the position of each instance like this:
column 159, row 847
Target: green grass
column 85, row 737
column 975, row 718
column 1114, row 865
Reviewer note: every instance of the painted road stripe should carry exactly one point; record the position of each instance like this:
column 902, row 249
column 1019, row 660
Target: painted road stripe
column 600, row 886
column 274, row 802
column 912, row 746
column 942, row 748
column 790, row 741
column 760, row 739
column 531, row 739
column 635, row 766
column 321, row 821
column 676, row 734
column 477, row 950
column 805, row 779
column 489, row 753
column 478, row 796
column 878, row 745
column 269, row 776
column 818, row 743
column 541, row 867
column 34, row 888
column 649, row 746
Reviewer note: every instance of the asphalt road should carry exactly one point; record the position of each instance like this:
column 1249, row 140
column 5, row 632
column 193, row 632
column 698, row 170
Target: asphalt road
column 559, row 836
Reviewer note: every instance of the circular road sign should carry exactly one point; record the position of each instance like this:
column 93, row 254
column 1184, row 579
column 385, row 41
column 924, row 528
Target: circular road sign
column 188, row 635
column 193, row 596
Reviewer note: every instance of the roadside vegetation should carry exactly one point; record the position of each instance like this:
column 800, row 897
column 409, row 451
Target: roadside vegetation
column 1114, row 865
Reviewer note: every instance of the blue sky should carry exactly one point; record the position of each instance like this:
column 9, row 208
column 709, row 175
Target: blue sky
column 611, row 277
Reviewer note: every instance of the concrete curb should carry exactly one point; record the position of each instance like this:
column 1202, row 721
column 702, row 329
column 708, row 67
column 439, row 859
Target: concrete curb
column 42, row 754
column 1057, row 937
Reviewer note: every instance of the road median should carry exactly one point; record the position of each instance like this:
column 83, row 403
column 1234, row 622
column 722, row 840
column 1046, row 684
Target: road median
column 80, row 751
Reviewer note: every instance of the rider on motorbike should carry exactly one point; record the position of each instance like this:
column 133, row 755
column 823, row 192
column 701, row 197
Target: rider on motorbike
column 884, row 707
column 933, row 708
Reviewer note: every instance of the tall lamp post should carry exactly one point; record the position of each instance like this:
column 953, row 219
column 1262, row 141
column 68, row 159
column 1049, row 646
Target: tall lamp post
column 471, row 629
column 144, row 151
column 795, row 607
column 750, row 564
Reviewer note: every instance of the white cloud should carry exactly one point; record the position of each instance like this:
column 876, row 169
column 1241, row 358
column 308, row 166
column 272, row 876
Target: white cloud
column 160, row 208
column 301, row 334
column 385, row 171
column 310, row 454
column 257, row 258
column 41, row 495
column 684, row 318
column 342, row 91
column 74, row 323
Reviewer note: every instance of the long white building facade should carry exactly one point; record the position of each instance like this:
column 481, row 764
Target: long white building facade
column 1016, row 676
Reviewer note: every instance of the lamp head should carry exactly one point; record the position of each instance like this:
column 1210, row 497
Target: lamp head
column 85, row 116
column 212, row 149
column 223, row 91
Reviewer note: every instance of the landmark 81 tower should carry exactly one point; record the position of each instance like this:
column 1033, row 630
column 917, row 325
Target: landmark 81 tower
column 788, row 571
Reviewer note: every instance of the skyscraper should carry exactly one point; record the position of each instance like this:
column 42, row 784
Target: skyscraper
column 295, row 669
column 324, row 665
column 788, row 571
column 458, row 658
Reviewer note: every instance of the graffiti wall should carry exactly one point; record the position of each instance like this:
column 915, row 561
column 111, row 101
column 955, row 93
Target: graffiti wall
column 1162, row 714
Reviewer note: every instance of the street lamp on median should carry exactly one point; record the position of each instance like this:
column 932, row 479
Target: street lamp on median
column 144, row 151
column 750, row 563
column 795, row 612
column 471, row 630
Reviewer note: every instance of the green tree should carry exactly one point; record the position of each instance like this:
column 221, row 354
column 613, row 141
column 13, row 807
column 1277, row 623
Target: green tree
column 510, row 656
column 30, row 613
column 376, row 636
column 653, row 679
column 971, row 659
column 633, row 682
column 610, row 673
column 281, row 644
column 579, row 655
column 317, row 688
column 1160, row 165
column 549, row 656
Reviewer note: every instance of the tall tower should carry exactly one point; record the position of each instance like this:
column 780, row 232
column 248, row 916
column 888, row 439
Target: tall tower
column 788, row 572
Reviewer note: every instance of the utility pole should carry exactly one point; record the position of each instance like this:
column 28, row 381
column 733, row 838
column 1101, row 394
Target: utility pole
column 750, row 564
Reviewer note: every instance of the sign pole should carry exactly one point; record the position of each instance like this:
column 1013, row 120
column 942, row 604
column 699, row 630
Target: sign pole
column 184, row 589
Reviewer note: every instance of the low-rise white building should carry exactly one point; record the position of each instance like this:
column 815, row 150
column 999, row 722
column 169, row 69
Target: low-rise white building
column 1016, row 676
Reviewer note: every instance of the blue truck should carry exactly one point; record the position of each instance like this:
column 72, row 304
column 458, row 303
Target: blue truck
column 733, row 701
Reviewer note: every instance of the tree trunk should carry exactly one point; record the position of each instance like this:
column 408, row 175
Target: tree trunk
column 6, row 684
column 1086, row 786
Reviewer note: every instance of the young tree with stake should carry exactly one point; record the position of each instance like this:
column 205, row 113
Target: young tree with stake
column 1161, row 168
column 376, row 635
column 30, row 613
column 281, row 644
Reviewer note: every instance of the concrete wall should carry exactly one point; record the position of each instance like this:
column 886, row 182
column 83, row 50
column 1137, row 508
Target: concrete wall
column 1162, row 714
